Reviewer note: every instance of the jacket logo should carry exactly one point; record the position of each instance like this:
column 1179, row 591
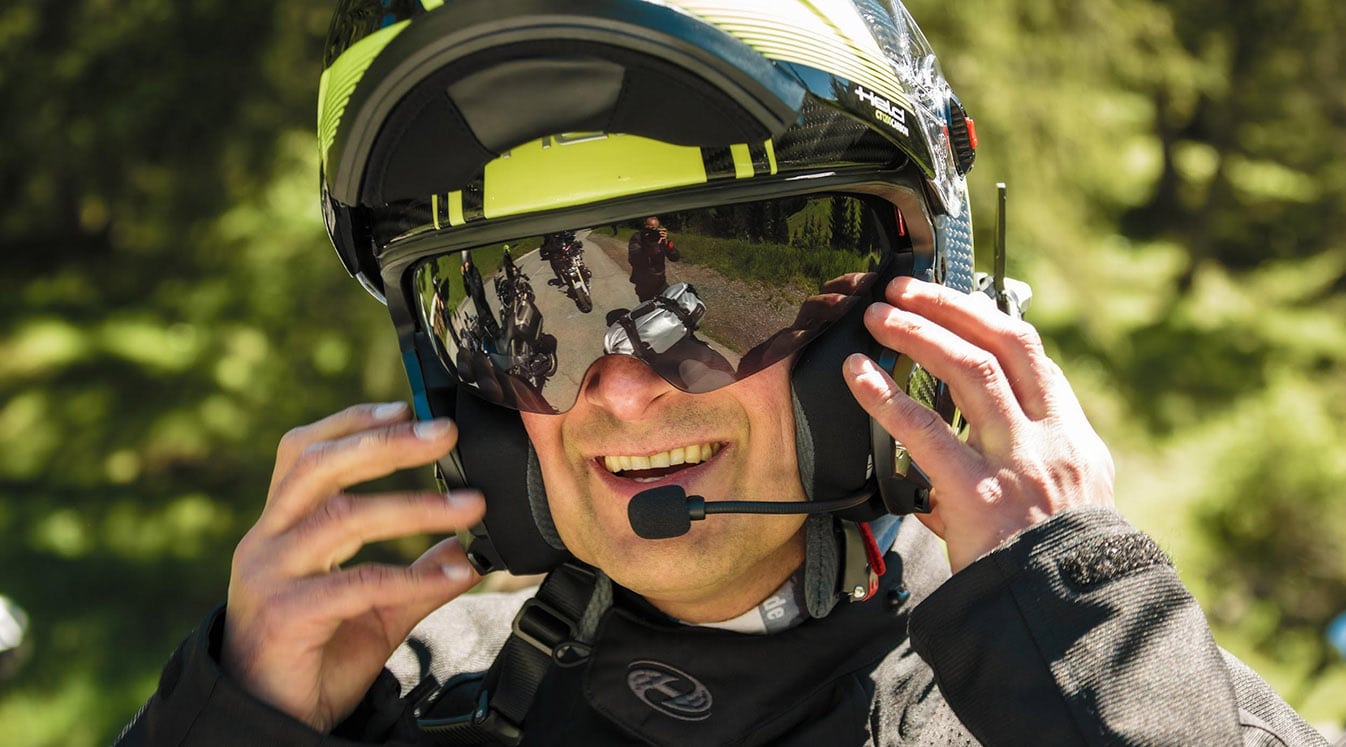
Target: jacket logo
column 669, row 691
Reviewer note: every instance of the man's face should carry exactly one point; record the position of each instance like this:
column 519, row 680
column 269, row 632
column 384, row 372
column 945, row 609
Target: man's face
column 652, row 223
column 624, row 413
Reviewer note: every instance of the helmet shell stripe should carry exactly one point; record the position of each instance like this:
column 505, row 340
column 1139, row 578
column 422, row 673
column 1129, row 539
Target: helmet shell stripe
column 338, row 82
column 570, row 170
column 789, row 31
column 742, row 160
column 456, row 208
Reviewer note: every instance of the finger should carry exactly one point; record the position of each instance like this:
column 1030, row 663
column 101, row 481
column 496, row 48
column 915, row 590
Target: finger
column 445, row 554
column 934, row 519
column 948, row 462
column 327, row 467
column 974, row 376
column 1014, row 342
column 337, row 529
column 340, row 596
column 350, row 420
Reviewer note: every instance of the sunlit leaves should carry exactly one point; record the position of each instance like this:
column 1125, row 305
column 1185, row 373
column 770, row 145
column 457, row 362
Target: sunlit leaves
column 170, row 305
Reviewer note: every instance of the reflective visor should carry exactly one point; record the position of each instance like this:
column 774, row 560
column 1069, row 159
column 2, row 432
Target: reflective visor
column 704, row 297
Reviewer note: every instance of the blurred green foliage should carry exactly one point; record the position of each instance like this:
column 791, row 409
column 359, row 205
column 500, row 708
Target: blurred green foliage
column 171, row 307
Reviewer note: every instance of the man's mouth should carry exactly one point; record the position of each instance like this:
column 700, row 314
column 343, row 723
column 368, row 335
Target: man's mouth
column 651, row 467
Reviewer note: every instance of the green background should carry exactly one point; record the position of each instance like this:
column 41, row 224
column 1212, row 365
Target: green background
column 170, row 306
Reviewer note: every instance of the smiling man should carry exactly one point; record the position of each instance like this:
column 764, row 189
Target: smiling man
column 742, row 437
column 819, row 490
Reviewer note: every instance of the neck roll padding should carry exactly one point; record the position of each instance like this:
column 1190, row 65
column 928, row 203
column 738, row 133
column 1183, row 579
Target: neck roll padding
column 494, row 450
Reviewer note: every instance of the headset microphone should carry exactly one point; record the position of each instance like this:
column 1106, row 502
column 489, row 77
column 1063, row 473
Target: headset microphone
column 667, row 511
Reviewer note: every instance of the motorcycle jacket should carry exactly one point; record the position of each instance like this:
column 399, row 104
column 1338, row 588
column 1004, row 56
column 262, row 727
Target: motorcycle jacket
column 1075, row 632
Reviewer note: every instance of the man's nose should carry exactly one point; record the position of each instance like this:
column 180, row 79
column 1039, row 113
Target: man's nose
column 624, row 386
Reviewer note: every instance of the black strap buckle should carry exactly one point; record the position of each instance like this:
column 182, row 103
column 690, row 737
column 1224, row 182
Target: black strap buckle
column 484, row 725
column 539, row 625
column 540, row 635
column 489, row 720
column 544, row 628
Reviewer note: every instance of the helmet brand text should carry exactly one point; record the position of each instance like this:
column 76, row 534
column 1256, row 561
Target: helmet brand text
column 884, row 110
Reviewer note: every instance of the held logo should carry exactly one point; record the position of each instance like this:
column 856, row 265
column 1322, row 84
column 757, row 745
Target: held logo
column 669, row 691
column 884, row 110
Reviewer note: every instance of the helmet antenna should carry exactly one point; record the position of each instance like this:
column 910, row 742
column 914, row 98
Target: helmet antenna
column 998, row 279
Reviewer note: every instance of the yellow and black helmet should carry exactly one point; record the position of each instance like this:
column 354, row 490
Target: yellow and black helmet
column 790, row 154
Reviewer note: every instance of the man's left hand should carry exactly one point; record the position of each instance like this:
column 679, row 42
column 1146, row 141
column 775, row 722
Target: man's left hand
column 1030, row 451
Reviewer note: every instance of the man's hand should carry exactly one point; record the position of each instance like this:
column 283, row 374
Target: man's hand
column 1030, row 452
column 303, row 634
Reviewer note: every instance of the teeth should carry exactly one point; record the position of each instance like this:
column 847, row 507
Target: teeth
column 693, row 454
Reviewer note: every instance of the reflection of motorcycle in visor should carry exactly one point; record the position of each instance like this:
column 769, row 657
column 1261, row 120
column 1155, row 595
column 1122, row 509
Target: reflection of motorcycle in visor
column 566, row 255
column 754, row 284
column 526, row 351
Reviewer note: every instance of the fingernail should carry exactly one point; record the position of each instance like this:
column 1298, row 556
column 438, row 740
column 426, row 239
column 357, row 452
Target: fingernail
column 390, row 411
column 431, row 430
column 865, row 370
column 860, row 365
column 456, row 572
column 459, row 499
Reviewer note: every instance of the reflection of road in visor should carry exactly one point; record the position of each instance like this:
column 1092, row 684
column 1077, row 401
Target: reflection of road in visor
column 705, row 298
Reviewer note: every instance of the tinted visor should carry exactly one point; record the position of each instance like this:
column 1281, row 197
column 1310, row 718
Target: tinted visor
column 704, row 297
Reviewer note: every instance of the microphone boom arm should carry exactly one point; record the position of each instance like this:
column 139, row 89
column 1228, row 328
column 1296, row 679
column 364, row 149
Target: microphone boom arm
column 667, row 511
column 699, row 508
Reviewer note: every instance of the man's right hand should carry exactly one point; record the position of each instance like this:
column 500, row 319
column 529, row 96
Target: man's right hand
column 303, row 634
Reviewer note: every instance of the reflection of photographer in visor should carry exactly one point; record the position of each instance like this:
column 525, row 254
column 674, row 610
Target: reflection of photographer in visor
column 1022, row 609
column 646, row 251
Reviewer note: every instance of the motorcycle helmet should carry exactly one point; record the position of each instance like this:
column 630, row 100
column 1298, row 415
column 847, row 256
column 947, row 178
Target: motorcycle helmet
column 799, row 154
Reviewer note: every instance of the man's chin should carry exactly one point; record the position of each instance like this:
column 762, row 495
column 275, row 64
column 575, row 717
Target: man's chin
column 719, row 569
column 678, row 568
column 715, row 547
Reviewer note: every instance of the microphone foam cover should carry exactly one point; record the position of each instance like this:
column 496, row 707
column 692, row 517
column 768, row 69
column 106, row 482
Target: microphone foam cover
column 659, row 513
